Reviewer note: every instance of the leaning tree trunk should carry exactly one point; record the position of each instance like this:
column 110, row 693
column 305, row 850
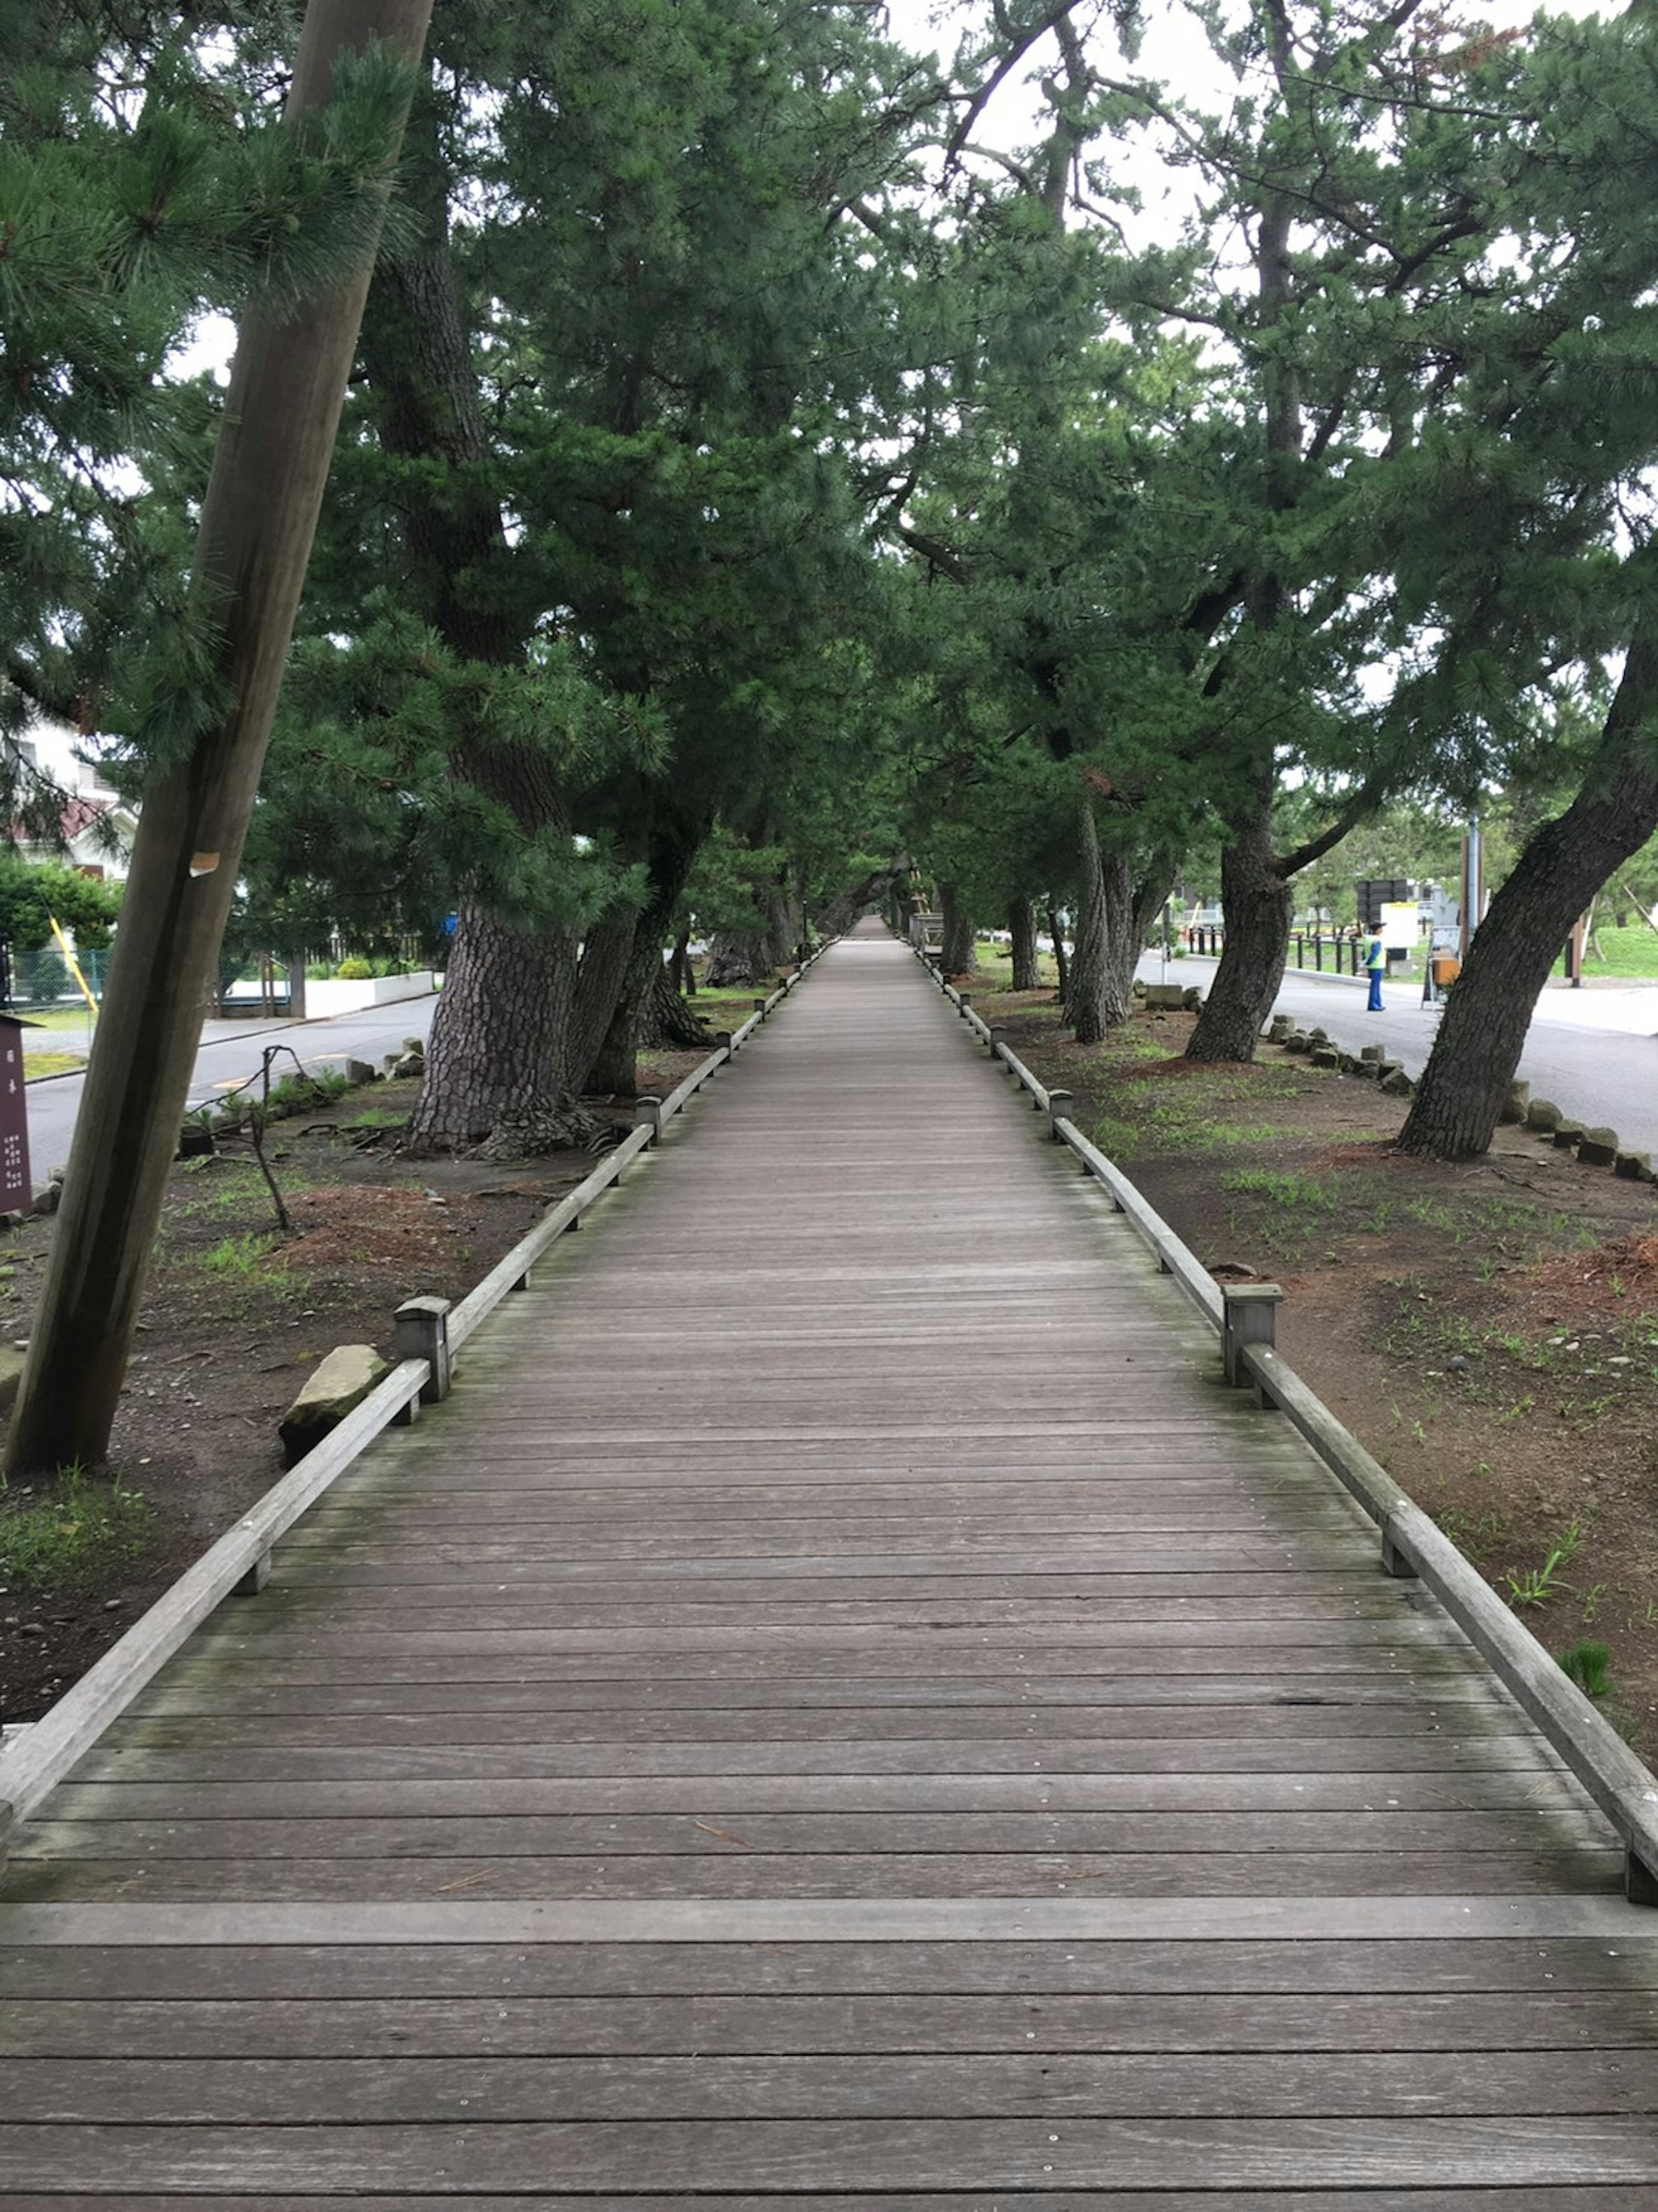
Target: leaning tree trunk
column 608, row 955
column 257, row 521
column 1483, row 1030
column 497, row 1071
column 682, row 973
column 1022, row 928
column 959, row 955
column 667, row 1021
column 1259, row 906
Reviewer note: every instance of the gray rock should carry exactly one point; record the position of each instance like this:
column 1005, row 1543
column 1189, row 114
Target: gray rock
column 415, row 1045
column 1567, row 1135
column 1298, row 1041
column 1191, row 999
column 1281, row 1026
column 1633, row 1167
column 344, row 1380
column 1319, row 1035
column 49, row 1199
column 1373, row 1051
column 411, row 1067
column 1598, row 1148
column 1325, row 1055
column 1168, row 996
column 1398, row 1085
column 1542, row 1114
column 11, row 1374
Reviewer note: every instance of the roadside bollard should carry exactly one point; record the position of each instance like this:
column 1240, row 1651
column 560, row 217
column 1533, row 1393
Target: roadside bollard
column 1059, row 1109
column 1250, row 1317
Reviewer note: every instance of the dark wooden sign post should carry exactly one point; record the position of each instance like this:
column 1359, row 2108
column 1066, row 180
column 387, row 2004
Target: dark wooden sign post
column 16, row 1191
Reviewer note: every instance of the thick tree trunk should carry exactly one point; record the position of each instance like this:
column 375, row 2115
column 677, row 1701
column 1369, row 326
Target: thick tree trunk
column 501, row 1072
column 1061, row 957
column 258, row 520
column 602, row 1023
column 1483, row 1030
column 1100, row 996
column 734, row 959
column 959, row 955
column 497, row 1075
column 667, row 1022
column 1022, row 928
column 1259, row 906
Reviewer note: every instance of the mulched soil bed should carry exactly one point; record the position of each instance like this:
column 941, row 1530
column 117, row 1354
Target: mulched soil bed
column 1489, row 1329
column 236, row 1317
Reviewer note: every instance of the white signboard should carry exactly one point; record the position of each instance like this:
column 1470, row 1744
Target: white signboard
column 1400, row 925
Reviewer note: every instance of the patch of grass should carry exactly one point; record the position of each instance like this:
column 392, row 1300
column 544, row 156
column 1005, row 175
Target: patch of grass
column 230, row 1188
column 1475, row 1535
column 38, row 1063
column 245, row 1259
column 372, row 1117
column 1284, row 1188
column 1632, row 951
column 72, row 1530
column 1589, row 1665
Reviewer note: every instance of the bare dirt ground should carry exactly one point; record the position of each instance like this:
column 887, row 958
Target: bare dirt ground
column 1489, row 1330
column 234, row 1318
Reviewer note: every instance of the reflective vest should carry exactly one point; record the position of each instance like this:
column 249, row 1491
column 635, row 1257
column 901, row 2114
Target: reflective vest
column 1374, row 957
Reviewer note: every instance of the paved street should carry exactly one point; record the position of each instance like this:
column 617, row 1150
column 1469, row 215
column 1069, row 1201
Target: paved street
column 1593, row 1052
column 230, row 1051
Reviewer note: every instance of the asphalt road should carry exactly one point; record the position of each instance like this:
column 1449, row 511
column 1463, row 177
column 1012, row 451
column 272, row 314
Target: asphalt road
column 231, row 1051
column 1593, row 1052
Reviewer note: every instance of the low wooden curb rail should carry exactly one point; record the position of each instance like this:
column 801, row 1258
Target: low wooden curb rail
column 429, row 1336
column 1412, row 1543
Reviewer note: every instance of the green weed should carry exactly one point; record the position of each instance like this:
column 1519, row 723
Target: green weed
column 76, row 1528
column 1589, row 1666
column 1536, row 1584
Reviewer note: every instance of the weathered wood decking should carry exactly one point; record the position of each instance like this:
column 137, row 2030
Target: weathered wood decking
column 841, row 1708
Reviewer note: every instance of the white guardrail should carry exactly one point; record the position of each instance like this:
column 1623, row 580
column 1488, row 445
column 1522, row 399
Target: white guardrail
column 1412, row 1544
column 430, row 1335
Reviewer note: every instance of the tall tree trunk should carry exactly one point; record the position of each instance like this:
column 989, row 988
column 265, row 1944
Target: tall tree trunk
column 1100, row 996
column 613, row 1064
column 959, row 955
column 1483, row 1030
column 1259, row 905
column 1061, row 957
column 614, row 948
column 482, row 1062
column 1022, row 928
column 496, row 1071
column 258, row 523
column 681, row 971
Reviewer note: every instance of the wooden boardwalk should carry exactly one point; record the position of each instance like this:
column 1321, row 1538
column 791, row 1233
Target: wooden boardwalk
column 839, row 1708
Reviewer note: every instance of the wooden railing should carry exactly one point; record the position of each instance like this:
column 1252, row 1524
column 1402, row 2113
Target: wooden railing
column 1412, row 1543
column 430, row 1335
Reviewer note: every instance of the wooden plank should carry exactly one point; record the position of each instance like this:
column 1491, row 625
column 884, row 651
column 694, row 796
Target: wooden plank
column 855, row 1880
column 723, row 2158
column 1579, row 2027
column 826, row 2086
column 1106, row 1919
column 31, row 1766
column 1380, row 1978
column 710, row 1797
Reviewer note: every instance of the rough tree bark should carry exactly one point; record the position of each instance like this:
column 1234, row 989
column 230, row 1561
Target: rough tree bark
column 1563, row 866
column 734, row 959
column 959, row 956
column 501, row 1076
column 1099, row 996
column 1260, row 906
column 1022, row 928
column 258, row 523
column 636, row 1016
column 669, row 1022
